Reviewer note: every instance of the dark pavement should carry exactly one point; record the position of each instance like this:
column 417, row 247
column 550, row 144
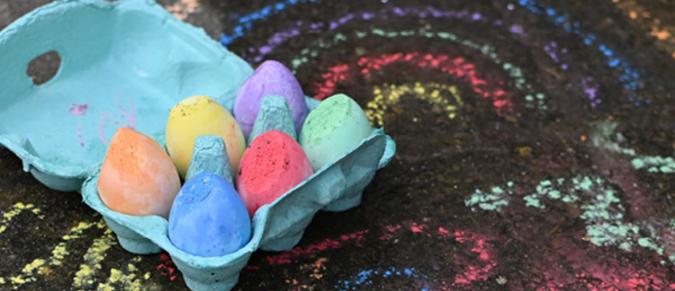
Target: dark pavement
column 536, row 143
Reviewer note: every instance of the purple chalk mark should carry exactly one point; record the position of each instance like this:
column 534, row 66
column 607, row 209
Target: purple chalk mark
column 78, row 109
column 591, row 91
column 551, row 49
column 476, row 16
column 297, row 27
column 517, row 29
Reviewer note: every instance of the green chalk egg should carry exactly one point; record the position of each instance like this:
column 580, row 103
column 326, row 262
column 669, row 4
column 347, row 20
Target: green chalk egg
column 334, row 128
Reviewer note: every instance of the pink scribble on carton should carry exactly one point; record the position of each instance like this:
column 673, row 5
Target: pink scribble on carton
column 126, row 118
column 80, row 135
column 78, row 109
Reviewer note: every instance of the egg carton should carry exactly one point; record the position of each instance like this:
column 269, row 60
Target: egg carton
column 126, row 63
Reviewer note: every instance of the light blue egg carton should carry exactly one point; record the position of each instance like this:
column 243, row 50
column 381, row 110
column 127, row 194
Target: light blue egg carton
column 126, row 63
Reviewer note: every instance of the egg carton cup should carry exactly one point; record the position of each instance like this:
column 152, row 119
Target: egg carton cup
column 126, row 63
column 276, row 227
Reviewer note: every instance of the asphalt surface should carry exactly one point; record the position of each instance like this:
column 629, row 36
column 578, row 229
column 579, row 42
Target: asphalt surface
column 536, row 147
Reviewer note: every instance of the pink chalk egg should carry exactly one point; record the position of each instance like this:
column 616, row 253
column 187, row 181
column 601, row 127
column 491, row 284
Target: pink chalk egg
column 272, row 165
column 137, row 176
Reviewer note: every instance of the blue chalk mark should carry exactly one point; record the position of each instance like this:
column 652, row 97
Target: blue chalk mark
column 629, row 76
column 366, row 276
column 409, row 271
column 245, row 22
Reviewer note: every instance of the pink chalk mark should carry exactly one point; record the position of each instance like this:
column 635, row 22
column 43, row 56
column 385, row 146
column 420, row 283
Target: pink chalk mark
column 78, row 109
column 390, row 230
column 167, row 268
column 443, row 232
column 486, row 260
column 457, row 67
column 105, row 118
column 327, row 244
column 80, row 137
column 129, row 115
column 593, row 269
column 417, row 228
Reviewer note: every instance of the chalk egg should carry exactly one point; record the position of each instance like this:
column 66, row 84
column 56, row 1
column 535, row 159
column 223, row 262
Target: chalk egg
column 197, row 116
column 333, row 129
column 137, row 176
column 270, row 78
column 208, row 218
column 273, row 164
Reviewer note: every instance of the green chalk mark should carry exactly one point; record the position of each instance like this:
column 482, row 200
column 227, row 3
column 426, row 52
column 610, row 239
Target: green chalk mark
column 646, row 242
column 655, row 164
column 604, row 136
column 601, row 210
column 533, row 201
column 494, row 200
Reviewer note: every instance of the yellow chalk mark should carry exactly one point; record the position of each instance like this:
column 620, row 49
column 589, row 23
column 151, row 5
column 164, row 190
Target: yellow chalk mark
column 18, row 280
column 95, row 254
column 17, row 209
column 45, row 270
column 26, row 275
column 129, row 279
column 59, row 252
column 28, row 269
column 445, row 96
column 92, row 260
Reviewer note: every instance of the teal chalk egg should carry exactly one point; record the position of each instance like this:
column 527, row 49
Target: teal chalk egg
column 208, row 218
column 333, row 129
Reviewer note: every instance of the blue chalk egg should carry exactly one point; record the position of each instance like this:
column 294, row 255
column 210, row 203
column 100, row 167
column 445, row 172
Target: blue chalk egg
column 208, row 218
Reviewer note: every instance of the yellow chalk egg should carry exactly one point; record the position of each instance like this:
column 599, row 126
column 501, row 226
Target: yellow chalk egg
column 197, row 116
column 137, row 176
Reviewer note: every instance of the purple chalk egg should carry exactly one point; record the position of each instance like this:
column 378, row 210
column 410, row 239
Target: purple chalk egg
column 270, row 78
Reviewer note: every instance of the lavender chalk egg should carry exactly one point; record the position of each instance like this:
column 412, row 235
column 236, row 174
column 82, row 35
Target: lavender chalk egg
column 208, row 218
column 270, row 78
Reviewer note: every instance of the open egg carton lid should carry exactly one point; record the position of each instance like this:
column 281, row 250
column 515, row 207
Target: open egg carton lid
column 123, row 63
column 126, row 63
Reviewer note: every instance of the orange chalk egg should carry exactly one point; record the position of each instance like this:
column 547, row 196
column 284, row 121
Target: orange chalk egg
column 137, row 176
